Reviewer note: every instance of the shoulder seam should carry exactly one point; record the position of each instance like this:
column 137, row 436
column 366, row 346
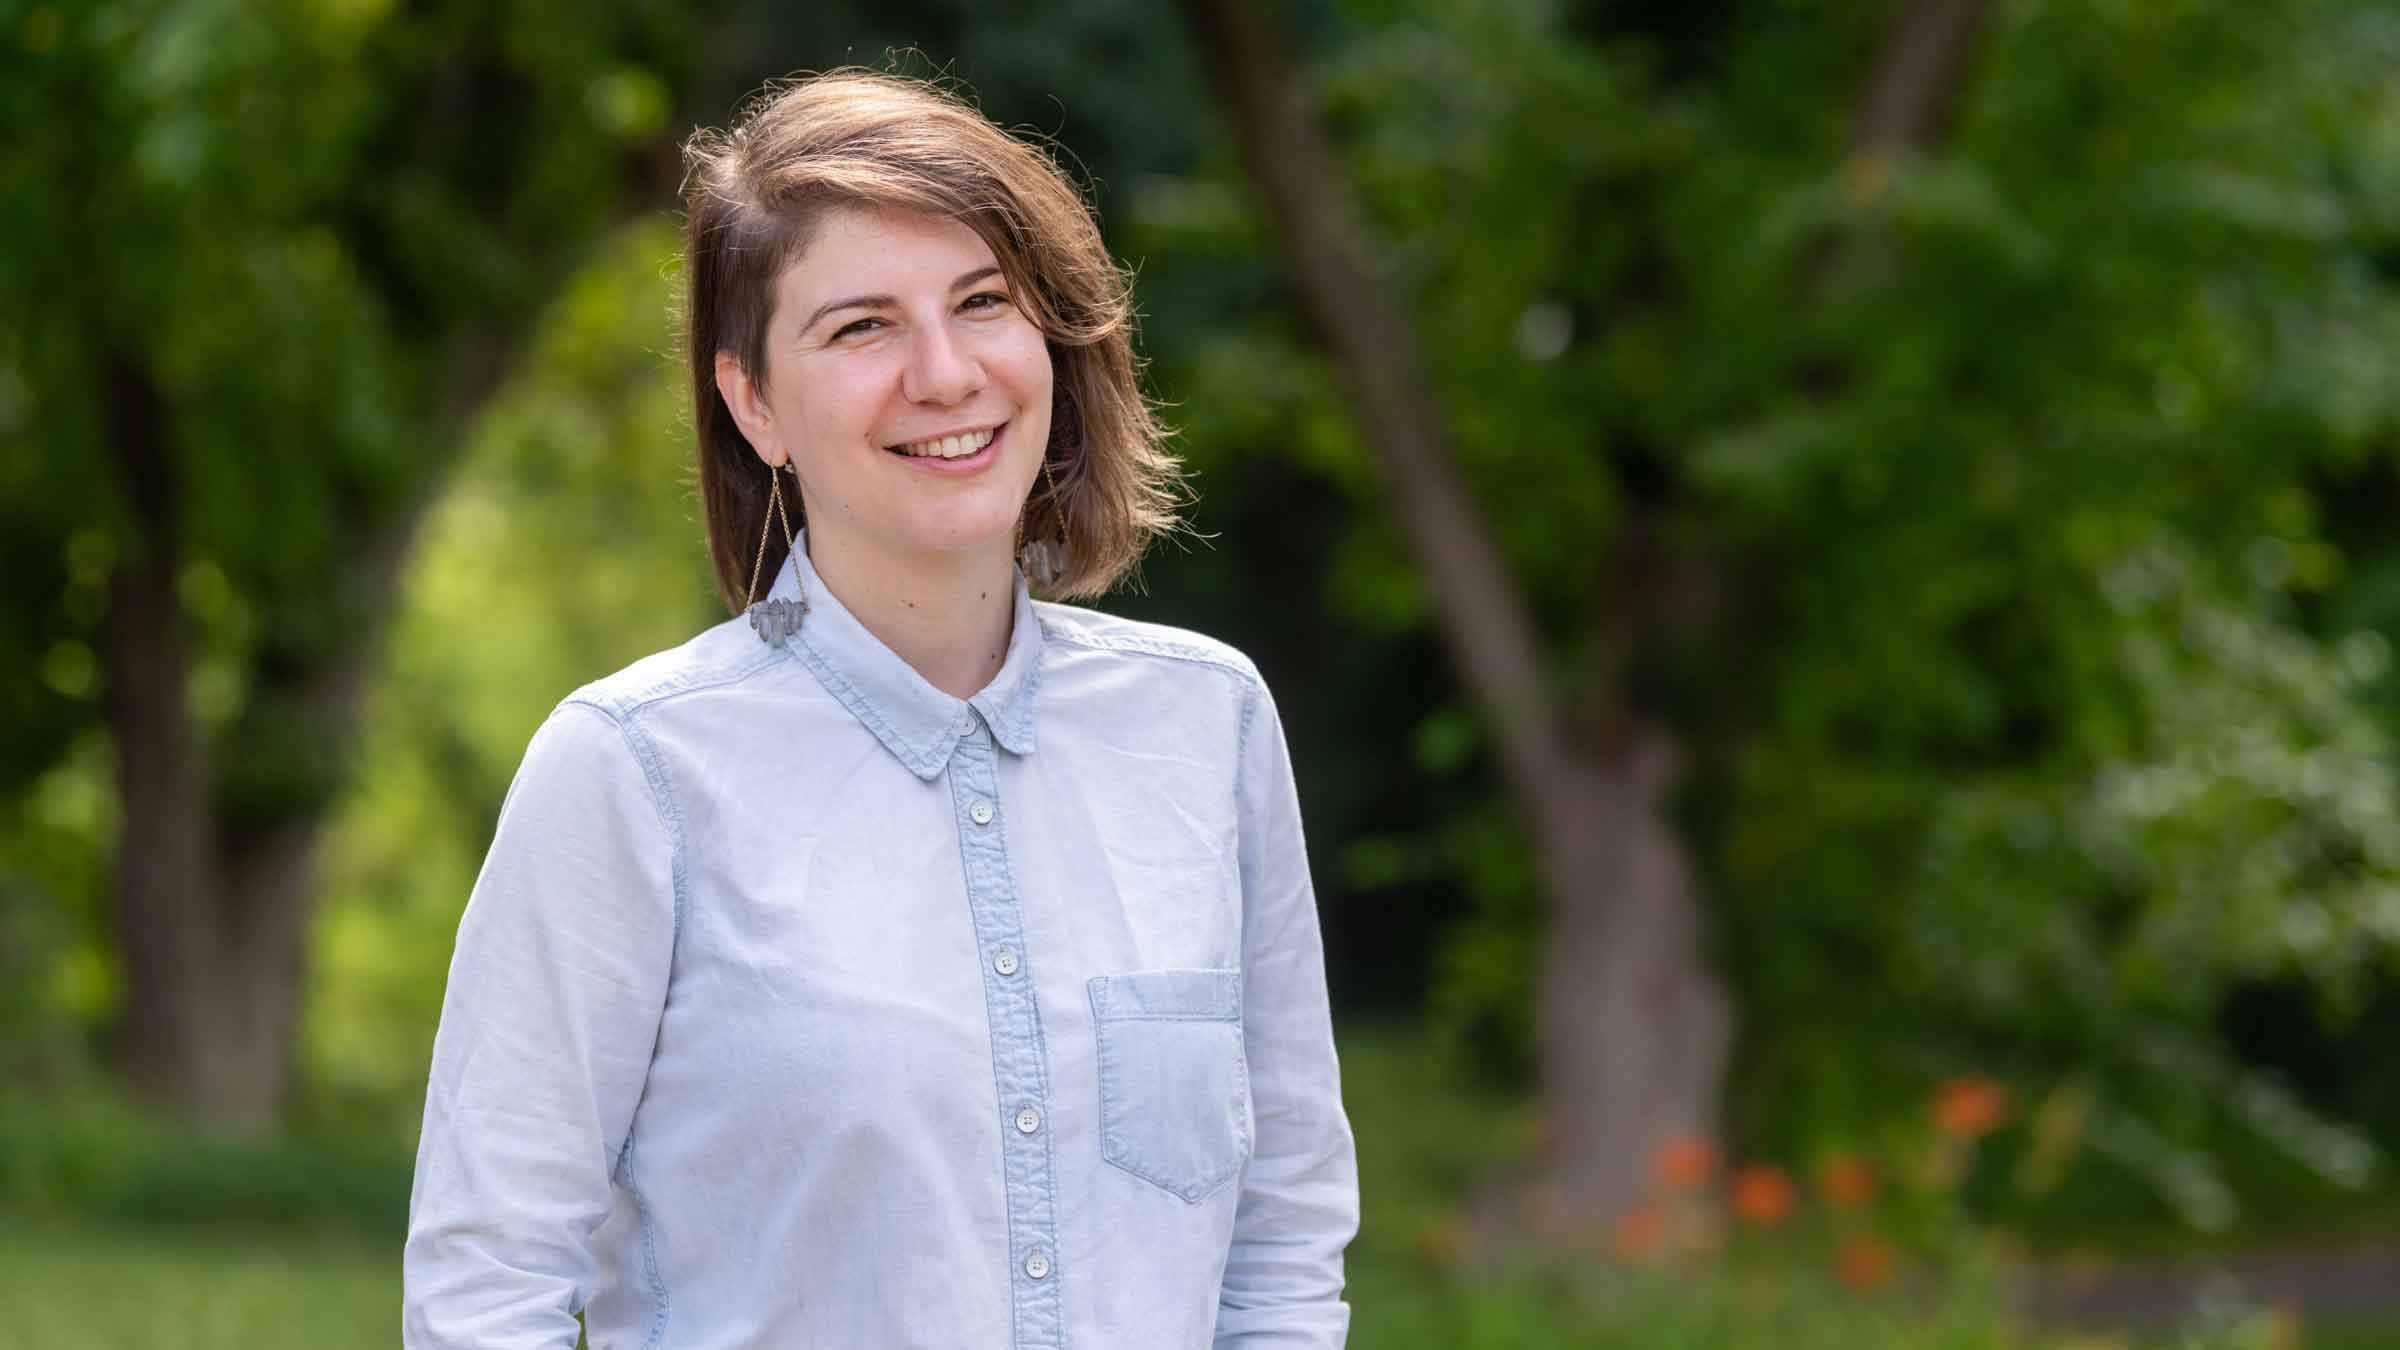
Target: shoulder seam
column 1241, row 741
column 663, row 690
column 1147, row 646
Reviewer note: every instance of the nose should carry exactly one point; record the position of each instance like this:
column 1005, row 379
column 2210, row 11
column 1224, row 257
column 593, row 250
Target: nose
column 940, row 371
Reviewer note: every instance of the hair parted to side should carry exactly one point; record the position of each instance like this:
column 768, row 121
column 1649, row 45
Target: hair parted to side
column 852, row 137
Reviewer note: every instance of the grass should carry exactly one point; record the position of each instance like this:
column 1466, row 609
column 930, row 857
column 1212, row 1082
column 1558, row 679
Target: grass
column 84, row 1288
column 2353, row 1336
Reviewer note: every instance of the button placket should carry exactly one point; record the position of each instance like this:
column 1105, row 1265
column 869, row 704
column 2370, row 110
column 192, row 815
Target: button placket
column 1020, row 1064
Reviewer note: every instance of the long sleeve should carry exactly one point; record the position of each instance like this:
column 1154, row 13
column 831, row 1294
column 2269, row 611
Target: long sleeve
column 1299, row 1202
column 547, row 1029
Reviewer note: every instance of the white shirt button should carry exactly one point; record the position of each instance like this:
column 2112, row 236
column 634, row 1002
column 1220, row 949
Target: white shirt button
column 966, row 723
column 980, row 812
column 1028, row 1120
column 1005, row 962
column 1037, row 1264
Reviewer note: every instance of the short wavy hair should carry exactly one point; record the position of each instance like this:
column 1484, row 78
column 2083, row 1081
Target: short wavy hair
column 754, row 195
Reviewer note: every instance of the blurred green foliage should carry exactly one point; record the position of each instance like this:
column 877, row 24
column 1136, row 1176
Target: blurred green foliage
column 2038, row 666
column 89, row 1157
column 311, row 229
column 262, row 264
column 568, row 539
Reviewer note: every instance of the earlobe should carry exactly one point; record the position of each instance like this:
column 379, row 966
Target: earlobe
column 749, row 411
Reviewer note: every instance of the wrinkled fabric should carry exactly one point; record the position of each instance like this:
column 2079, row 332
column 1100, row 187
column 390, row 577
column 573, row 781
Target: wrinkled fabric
column 800, row 1004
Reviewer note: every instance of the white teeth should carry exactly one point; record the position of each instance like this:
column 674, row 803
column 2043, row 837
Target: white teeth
column 951, row 447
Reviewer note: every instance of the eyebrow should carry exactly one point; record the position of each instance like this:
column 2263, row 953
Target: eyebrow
column 887, row 302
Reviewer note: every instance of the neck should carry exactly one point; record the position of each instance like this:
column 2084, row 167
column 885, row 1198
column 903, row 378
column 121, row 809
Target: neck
column 948, row 615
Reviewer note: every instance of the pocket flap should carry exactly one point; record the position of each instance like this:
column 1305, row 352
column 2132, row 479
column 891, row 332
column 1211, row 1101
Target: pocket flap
column 1211, row 994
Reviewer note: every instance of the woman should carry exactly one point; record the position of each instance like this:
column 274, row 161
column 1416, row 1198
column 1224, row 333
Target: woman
column 905, row 963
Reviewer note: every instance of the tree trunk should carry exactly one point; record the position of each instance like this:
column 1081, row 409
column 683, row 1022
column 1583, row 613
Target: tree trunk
column 1913, row 89
column 1634, row 1023
column 165, row 848
column 212, row 910
column 265, row 890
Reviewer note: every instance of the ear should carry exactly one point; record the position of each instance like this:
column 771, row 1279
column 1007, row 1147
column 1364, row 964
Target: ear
column 749, row 409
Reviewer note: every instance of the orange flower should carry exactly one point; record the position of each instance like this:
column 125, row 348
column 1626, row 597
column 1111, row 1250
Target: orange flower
column 1865, row 178
column 1441, row 1242
column 1970, row 1106
column 1846, row 1181
column 1685, row 1162
column 2285, row 1329
column 1536, row 1137
column 1762, row 1195
column 1865, row 1263
column 1639, row 1233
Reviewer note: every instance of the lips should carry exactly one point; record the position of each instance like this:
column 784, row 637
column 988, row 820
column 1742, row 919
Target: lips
column 970, row 462
column 957, row 445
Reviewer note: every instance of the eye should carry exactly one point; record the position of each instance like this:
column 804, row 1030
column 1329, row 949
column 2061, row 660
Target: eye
column 854, row 326
column 997, row 299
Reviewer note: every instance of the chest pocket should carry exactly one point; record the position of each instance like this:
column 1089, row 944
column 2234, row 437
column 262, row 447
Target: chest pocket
column 1174, row 1084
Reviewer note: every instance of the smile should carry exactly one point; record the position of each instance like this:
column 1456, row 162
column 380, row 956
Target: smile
column 956, row 446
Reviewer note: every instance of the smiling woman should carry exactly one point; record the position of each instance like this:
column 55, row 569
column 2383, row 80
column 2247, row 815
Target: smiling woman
column 801, row 1001
column 910, row 176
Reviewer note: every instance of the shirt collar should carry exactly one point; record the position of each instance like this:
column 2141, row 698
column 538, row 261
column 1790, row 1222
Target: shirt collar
column 918, row 723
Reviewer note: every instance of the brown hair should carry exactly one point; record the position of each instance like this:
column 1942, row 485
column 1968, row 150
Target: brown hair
column 853, row 137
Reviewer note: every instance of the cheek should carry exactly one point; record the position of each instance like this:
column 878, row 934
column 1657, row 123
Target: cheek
column 1034, row 375
column 1025, row 355
column 839, row 407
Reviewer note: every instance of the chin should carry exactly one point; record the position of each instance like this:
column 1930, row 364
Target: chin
column 962, row 534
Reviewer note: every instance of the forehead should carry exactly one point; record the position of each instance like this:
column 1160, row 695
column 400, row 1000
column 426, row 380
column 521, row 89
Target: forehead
column 860, row 248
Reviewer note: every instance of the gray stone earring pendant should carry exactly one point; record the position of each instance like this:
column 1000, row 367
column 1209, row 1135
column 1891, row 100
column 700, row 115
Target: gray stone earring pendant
column 774, row 620
column 1043, row 565
column 1044, row 560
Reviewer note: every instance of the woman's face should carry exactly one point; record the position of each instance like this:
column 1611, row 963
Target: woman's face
column 904, row 386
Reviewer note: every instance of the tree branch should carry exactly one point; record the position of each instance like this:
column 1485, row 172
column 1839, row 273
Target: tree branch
column 1914, row 87
column 1486, row 623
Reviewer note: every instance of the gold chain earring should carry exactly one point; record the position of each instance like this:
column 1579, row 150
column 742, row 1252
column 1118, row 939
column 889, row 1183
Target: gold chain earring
column 773, row 620
column 1044, row 560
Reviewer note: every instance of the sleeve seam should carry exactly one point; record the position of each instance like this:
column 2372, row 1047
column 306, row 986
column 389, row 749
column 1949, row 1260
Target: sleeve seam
column 1243, row 826
column 662, row 796
column 1241, row 742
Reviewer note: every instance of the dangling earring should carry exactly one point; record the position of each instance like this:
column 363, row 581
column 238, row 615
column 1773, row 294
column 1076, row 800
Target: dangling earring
column 1044, row 560
column 773, row 620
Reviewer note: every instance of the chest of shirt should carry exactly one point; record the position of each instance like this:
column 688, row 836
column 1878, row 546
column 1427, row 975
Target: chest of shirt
column 864, row 930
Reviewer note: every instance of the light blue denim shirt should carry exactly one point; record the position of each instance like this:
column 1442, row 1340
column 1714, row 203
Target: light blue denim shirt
column 800, row 1004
